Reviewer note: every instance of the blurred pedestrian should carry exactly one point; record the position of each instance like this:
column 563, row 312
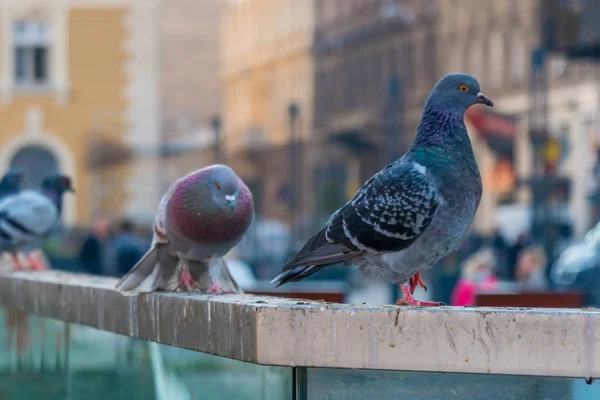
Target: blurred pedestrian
column 127, row 248
column 500, row 253
column 477, row 275
column 93, row 251
column 531, row 268
column 512, row 256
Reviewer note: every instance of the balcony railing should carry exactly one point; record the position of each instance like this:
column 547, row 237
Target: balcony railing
column 283, row 349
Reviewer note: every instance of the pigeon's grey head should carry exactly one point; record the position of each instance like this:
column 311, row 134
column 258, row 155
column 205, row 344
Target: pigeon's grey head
column 223, row 185
column 456, row 93
column 58, row 184
column 12, row 180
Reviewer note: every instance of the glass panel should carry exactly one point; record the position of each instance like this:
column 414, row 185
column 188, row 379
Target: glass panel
column 33, row 361
column 339, row 384
column 49, row 359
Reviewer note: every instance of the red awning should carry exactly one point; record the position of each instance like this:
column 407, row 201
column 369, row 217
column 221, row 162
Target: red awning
column 489, row 123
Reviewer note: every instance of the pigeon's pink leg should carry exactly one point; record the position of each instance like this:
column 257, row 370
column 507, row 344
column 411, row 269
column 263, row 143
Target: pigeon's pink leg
column 416, row 281
column 36, row 264
column 186, row 280
column 216, row 288
column 17, row 262
column 409, row 300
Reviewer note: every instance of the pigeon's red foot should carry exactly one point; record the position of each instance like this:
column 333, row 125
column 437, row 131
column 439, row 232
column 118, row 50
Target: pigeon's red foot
column 186, row 280
column 409, row 300
column 36, row 265
column 216, row 288
column 17, row 262
column 416, row 281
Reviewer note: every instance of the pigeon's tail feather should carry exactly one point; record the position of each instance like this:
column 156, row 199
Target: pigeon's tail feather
column 296, row 274
column 166, row 277
column 229, row 278
column 319, row 251
column 315, row 255
column 142, row 270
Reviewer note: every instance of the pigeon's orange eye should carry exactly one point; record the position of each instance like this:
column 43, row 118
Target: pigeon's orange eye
column 463, row 88
column 218, row 186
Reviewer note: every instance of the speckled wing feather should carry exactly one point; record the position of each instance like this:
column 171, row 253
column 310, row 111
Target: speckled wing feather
column 391, row 210
column 387, row 214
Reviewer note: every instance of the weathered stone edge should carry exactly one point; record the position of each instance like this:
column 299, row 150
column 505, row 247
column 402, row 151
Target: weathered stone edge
column 275, row 331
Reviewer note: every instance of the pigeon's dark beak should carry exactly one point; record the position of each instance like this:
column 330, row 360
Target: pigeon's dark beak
column 70, row 189
column 484, row 100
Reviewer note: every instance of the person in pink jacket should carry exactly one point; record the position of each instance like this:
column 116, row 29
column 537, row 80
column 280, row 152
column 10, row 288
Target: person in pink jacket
column 477, row 275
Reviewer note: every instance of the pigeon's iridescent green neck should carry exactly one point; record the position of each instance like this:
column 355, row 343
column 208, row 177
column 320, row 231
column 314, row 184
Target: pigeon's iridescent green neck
column 443, row 142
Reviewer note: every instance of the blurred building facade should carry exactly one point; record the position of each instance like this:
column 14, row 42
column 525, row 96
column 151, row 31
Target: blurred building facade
column 79, row 94
column 191, row 87
column 494, row 41
column 376, row 62
column 372, row 64
column 268, row 72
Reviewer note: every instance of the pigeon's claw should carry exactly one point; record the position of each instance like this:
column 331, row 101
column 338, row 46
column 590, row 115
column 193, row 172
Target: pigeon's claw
column 216, row 288
column 17, row 262
column 416, row 281
column 36, row 265
column 409, row 300
column 186, row 280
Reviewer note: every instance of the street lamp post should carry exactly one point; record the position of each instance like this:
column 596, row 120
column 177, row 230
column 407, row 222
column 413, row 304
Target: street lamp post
column 216, row 126
column 294, row 184
column 395, row 119
column 538, row 135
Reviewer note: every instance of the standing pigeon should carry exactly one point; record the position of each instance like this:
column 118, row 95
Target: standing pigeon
column 11, row 183
column 200, row 218
column 413, row 212
column 28, row 217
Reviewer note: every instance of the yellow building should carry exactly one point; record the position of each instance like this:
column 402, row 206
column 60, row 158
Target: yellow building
column 74, row 73
column 267, row 66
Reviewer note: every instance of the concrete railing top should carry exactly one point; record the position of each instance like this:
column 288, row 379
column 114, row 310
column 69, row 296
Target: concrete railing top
column 275, row 331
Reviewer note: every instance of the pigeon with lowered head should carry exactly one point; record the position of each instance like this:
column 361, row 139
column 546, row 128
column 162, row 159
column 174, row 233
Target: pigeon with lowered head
column 413, row 212
column 200, row 218
column 28, row 217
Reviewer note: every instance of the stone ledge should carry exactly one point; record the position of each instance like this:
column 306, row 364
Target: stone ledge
column 276, row 331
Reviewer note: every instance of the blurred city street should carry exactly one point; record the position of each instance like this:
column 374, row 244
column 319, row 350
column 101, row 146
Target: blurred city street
column 305, row 100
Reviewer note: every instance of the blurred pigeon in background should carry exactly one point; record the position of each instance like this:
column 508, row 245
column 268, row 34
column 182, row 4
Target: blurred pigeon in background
column 11, row 183
column 201, row 217
column 28, row 217
column 413, row 212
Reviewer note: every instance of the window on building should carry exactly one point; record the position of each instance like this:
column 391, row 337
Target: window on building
column 31, row 47
column 393, row 69
column 377, row 77
column 354, row 83
column 496, row 57
column 409, row 64
column 430, row 61
column 321, row 97
column 518, row 59
column 476, row 58
column 347, row 82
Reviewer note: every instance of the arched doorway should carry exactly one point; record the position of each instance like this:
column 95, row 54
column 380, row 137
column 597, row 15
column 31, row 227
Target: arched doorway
column 36, row 163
